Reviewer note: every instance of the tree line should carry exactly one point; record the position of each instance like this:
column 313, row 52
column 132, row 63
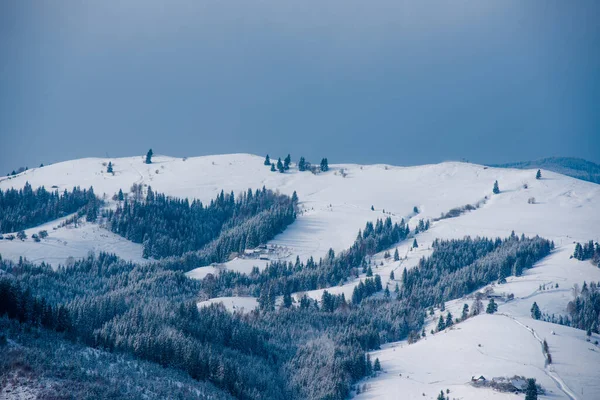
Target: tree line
column 460, row 266
column 168, row 226
column 303, row 164
column 285, row 277
column 26, row 208
column 584, row 310
column 18, row 303
column 587, row 251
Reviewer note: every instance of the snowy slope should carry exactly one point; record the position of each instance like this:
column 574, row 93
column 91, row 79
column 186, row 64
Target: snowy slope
column 509, row 347
column 67, row 242
column 492, row 346
column 335, row 205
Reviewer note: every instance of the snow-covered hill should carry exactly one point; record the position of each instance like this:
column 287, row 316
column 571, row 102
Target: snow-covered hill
column 500, row 345
column 336, row 204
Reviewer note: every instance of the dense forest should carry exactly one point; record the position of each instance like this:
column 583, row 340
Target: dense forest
column 39, row 363
column 587, row 251
column 149, row 312
column 458, row 267
column 26, row 208
column 169, row 226
column 584, row 311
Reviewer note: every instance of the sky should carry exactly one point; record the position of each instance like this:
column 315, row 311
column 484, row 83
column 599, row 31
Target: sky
column 378, row 81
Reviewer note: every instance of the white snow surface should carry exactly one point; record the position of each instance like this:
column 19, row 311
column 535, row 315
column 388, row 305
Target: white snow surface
column 64, row 243
column 336, row 204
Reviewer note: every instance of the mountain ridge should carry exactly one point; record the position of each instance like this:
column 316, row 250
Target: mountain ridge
column 574, row 167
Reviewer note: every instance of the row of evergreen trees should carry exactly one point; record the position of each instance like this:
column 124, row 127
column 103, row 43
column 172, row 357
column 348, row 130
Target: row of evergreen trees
column 589, row 251
column 281, row 277
column 169, row 226
column 18, row 303
column 584, row 310
column 26, row 208
column 303, row 165
column 461, row 266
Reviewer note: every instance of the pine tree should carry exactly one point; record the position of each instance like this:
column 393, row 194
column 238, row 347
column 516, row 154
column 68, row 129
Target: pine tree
column 441, row 396
column 449, row 321
column 415, row 244
column 538, row 175
column 535, row 311
column 441, row 324
column 109, row 169
column 62, row 319
column 267, row 160
column 369, row 271
column 304, row 302
column 280, row 166
column 578, row 254
column 518, row 267
column 531, row 393
column 396, row 255
column 368, row 366
column 273, row 168
column 302, row 164
column 287, row 299
column 378, row 285
column 476, row 307
column 149, row 157
column 324, row 165
column 120, row 196
column 492, row 307
column 496, row 188
column 501, row 276
column 287, row 162
column 392, row 276
column 465, row 312
column 377, row 365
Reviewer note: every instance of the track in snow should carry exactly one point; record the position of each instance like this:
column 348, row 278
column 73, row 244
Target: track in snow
column 562, row 386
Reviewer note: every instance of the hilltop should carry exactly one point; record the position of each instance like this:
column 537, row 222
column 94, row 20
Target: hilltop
column 570, row 166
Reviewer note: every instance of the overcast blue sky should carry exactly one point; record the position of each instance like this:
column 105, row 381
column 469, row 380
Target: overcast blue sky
column 400, row 82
